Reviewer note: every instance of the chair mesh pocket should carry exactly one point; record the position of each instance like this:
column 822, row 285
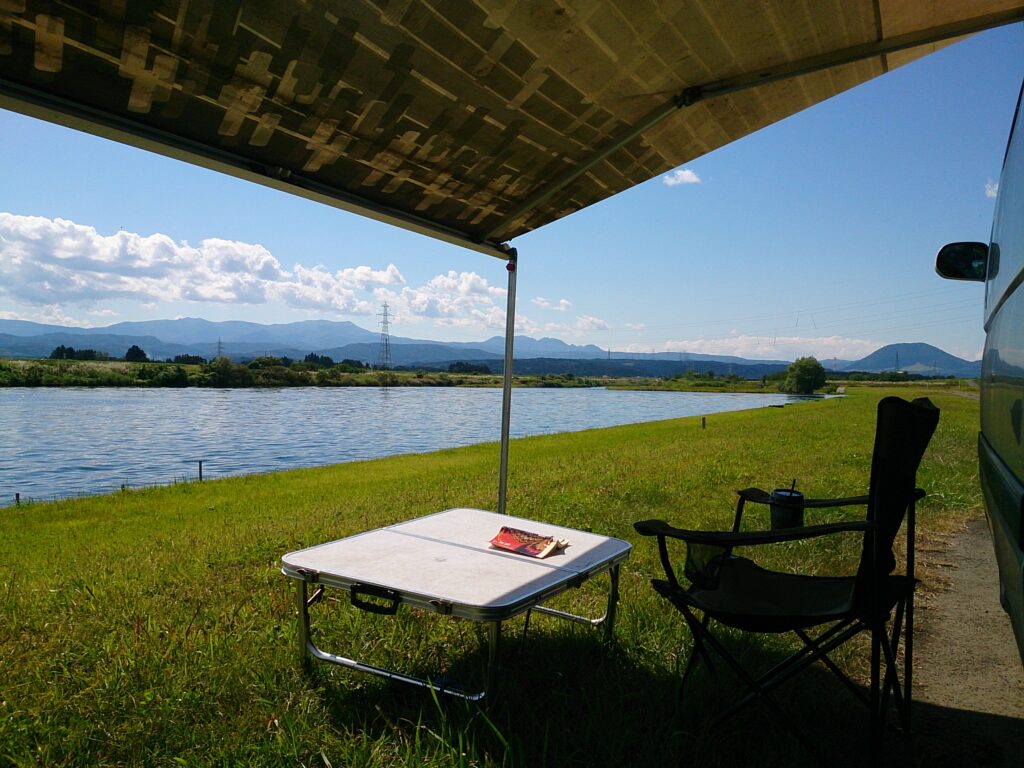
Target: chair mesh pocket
column 704, row 564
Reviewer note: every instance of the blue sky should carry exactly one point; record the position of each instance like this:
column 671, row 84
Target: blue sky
column 816, row 235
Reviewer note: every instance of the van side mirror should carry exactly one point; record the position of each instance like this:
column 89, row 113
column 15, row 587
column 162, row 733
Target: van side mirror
column 962, row 261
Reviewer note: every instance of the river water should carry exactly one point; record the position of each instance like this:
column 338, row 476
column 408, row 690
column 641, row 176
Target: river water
column 70, row 441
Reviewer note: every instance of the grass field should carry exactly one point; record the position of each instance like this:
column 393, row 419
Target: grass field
column 154, row 627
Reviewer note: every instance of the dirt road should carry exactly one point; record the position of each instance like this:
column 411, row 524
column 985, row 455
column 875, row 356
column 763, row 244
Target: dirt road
column 968, row 675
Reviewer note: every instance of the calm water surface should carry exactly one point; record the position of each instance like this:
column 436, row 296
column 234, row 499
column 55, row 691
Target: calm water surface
column 59, row 442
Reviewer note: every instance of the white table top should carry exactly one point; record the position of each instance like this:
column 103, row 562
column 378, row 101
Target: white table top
column 446, row 558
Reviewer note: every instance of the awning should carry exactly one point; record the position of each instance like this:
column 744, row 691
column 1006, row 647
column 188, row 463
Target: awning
column 474, row 121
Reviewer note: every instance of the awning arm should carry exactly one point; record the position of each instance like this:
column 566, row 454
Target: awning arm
column 744, row 82
column 860, row 52
column 506, row 392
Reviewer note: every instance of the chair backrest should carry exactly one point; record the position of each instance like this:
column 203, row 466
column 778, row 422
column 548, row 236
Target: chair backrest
column 902, row 434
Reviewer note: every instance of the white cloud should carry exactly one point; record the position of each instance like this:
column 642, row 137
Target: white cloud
column 991, row 189
column 460, row 299
column 680, row 176
column 51, row 269
column 364, row 277
column 636, row 326
column 562, row 305
column 525, row 325
column 58, row 262
column 591, row 323
column 54, row 315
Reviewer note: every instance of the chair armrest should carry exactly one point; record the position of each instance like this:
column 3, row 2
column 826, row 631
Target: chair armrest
column 755, row 495
column 759, row 496
column 747, row 538
column 846, row 501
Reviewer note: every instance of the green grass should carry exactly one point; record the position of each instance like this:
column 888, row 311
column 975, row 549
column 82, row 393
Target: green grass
column 154, row 627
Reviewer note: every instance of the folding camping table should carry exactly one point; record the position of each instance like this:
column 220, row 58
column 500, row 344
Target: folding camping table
column 443, row 563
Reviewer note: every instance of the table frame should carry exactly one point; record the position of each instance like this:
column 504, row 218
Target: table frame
column 383, row 600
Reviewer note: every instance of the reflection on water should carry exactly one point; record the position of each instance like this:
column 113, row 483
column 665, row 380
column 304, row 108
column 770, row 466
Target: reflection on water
column 56, row 442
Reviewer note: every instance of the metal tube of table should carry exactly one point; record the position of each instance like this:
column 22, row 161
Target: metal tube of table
column 303, row 606
column 613, row 599
column 493, row 641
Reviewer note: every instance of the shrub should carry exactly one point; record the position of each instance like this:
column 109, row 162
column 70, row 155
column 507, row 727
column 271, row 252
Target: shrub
column 136, row 354
column 804, row 376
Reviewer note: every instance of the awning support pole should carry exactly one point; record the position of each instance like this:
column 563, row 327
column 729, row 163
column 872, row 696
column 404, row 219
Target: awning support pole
column 506, row 394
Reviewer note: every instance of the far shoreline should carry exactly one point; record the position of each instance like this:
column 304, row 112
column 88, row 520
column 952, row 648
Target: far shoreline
column 264, row 373
column 274, row 373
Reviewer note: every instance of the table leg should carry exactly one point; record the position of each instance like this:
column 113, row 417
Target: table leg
column 613, row 600
column 303, row 633
column 493, row 641
column 308, row 651
column 609, row 615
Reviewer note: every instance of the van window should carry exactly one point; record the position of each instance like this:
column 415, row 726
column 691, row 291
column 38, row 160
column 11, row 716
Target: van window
column 1006, row 254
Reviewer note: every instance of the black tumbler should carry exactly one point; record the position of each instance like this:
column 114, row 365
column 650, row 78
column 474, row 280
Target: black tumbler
column 787, row 508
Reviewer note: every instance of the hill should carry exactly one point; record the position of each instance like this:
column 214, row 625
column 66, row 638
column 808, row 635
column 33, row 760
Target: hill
column 423, row 355
column 915, row 358
column 115, row 346
column 305, row 334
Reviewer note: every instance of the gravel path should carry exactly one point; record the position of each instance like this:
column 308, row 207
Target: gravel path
column 968, row 675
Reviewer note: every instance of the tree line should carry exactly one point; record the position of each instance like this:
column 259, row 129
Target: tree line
column 804, row 376
column 136, row 369
column 135, row 354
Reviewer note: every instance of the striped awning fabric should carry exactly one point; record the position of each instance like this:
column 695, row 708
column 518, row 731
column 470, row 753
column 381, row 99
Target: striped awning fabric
column 470, row 120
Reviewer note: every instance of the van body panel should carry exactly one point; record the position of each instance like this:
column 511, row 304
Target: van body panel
column 1004, row 501
column 1002, row 386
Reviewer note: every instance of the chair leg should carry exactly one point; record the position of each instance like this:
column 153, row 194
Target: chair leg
column 758, row 691
column 813, row 644
column 691, row 662
column 902, row 628
column 698, row 629
column 891, row 680
column 875, row 722
column 818, row 649
column 908, row 663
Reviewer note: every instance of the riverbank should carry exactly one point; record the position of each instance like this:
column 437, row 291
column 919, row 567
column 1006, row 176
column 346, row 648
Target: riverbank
column 154, row 626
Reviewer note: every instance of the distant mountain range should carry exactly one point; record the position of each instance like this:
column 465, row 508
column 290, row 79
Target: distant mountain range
column 239, row 340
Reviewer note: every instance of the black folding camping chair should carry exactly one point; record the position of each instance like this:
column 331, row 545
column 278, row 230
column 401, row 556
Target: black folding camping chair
column 823, row 611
